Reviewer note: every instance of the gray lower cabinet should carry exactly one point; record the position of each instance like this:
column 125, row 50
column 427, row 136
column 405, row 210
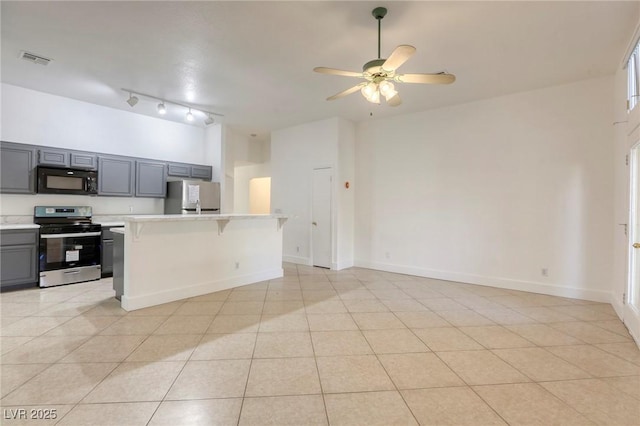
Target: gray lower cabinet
column 17, row 168
column 151, row 179
column 107, row 258
column 115, row 176
column 19, row 258
column 106, row 262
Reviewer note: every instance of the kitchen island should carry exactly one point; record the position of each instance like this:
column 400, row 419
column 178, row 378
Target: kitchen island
column 171, row 257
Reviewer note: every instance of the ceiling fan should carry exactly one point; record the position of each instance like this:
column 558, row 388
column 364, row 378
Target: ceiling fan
column 379, row 74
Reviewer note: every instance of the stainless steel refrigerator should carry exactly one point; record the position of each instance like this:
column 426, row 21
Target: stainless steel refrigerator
column 192, row 197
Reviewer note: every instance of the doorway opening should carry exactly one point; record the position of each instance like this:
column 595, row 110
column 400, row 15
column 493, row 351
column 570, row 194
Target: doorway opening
column 260, row 195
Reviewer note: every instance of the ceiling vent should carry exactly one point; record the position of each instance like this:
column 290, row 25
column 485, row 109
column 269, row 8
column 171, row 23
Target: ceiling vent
column 33, row 58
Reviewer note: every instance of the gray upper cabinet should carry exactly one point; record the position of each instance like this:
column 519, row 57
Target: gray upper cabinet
column 151, row 179
column 53, row 157
column 84, row 160
column 115, row 176
column 179, row 170
column 201, row 172
column 194, row 171
column 17, row 163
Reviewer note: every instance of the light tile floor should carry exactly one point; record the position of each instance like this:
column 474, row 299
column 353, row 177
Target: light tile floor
column 355, row 347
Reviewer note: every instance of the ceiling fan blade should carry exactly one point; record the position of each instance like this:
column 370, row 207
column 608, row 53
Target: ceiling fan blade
column 346, row 92
column 394, row 101
column 440, row 78
column 399, row 56
column 333, row 71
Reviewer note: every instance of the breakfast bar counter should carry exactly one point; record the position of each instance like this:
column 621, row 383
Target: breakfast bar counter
column 171, row 257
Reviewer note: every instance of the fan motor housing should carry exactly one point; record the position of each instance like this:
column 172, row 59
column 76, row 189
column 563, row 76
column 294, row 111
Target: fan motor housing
column 373, row 66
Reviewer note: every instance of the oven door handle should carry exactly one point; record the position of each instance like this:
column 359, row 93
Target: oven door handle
column 75, row 234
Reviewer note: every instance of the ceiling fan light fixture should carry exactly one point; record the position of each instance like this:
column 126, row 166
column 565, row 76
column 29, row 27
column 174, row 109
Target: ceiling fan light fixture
column 162, row 109
column 374, row 98
column 369, row 90
column 387, row 87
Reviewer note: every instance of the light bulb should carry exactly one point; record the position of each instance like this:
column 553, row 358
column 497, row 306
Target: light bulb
column 209, row 120
column 389, row 94
column 374, row 98
column 369, row 89
column 189, row 115
column 161, row 108
column 386, row 87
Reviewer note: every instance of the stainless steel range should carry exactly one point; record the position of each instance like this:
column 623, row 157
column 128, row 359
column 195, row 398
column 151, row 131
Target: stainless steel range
column 69, row 250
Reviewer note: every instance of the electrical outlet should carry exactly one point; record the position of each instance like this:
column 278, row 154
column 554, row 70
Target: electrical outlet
column 387, row 255
column 237, row 265
column 130, row 209
column 544, row 272
column 297, row 249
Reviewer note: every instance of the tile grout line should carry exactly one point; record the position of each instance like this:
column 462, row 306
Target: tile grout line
column 255, row 343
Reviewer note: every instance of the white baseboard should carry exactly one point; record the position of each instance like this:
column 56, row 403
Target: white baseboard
column 632, row 322
column 338, row 266
column 617, row 304
column 129, row 303
column 506, row 283
column 297, row 260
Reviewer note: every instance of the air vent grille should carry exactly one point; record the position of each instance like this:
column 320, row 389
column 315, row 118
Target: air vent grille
column 36, row 59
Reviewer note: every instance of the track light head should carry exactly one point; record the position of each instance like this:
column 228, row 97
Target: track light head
column 133, row 100
column 189, row 115
column 162, row 110
column 209, row 120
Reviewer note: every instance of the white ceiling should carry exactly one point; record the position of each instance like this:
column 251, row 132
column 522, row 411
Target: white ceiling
column 253, row 61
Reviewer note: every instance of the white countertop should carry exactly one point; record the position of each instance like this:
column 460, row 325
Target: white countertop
column 118, row 230
column 199, row 217
column 8, row 226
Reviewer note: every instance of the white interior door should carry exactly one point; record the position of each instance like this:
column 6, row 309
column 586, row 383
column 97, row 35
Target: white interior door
column 321, row 218
column 632, row 307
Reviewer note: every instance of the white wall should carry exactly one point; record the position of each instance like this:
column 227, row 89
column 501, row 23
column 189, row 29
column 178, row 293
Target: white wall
column 493, row 191
column 346, row 196
column 295, row 152
column 38, row 118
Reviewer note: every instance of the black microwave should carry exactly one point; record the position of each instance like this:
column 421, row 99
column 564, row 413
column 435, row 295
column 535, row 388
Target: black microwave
column 67, row 181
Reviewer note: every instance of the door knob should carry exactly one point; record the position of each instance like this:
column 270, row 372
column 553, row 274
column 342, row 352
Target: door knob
column 316, row 224
column 636, row 245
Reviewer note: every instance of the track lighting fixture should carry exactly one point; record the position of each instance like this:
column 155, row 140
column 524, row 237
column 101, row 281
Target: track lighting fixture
column 133, row 100
column 134, row 97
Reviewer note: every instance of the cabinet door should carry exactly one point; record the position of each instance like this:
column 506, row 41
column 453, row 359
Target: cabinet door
column 115, row 176
column 84, row 161
column 53, row 157
column 151, row 179
column 17, row 165
column 19, row 265
column 107, row 257
column 181, row 170
column 201, row 172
